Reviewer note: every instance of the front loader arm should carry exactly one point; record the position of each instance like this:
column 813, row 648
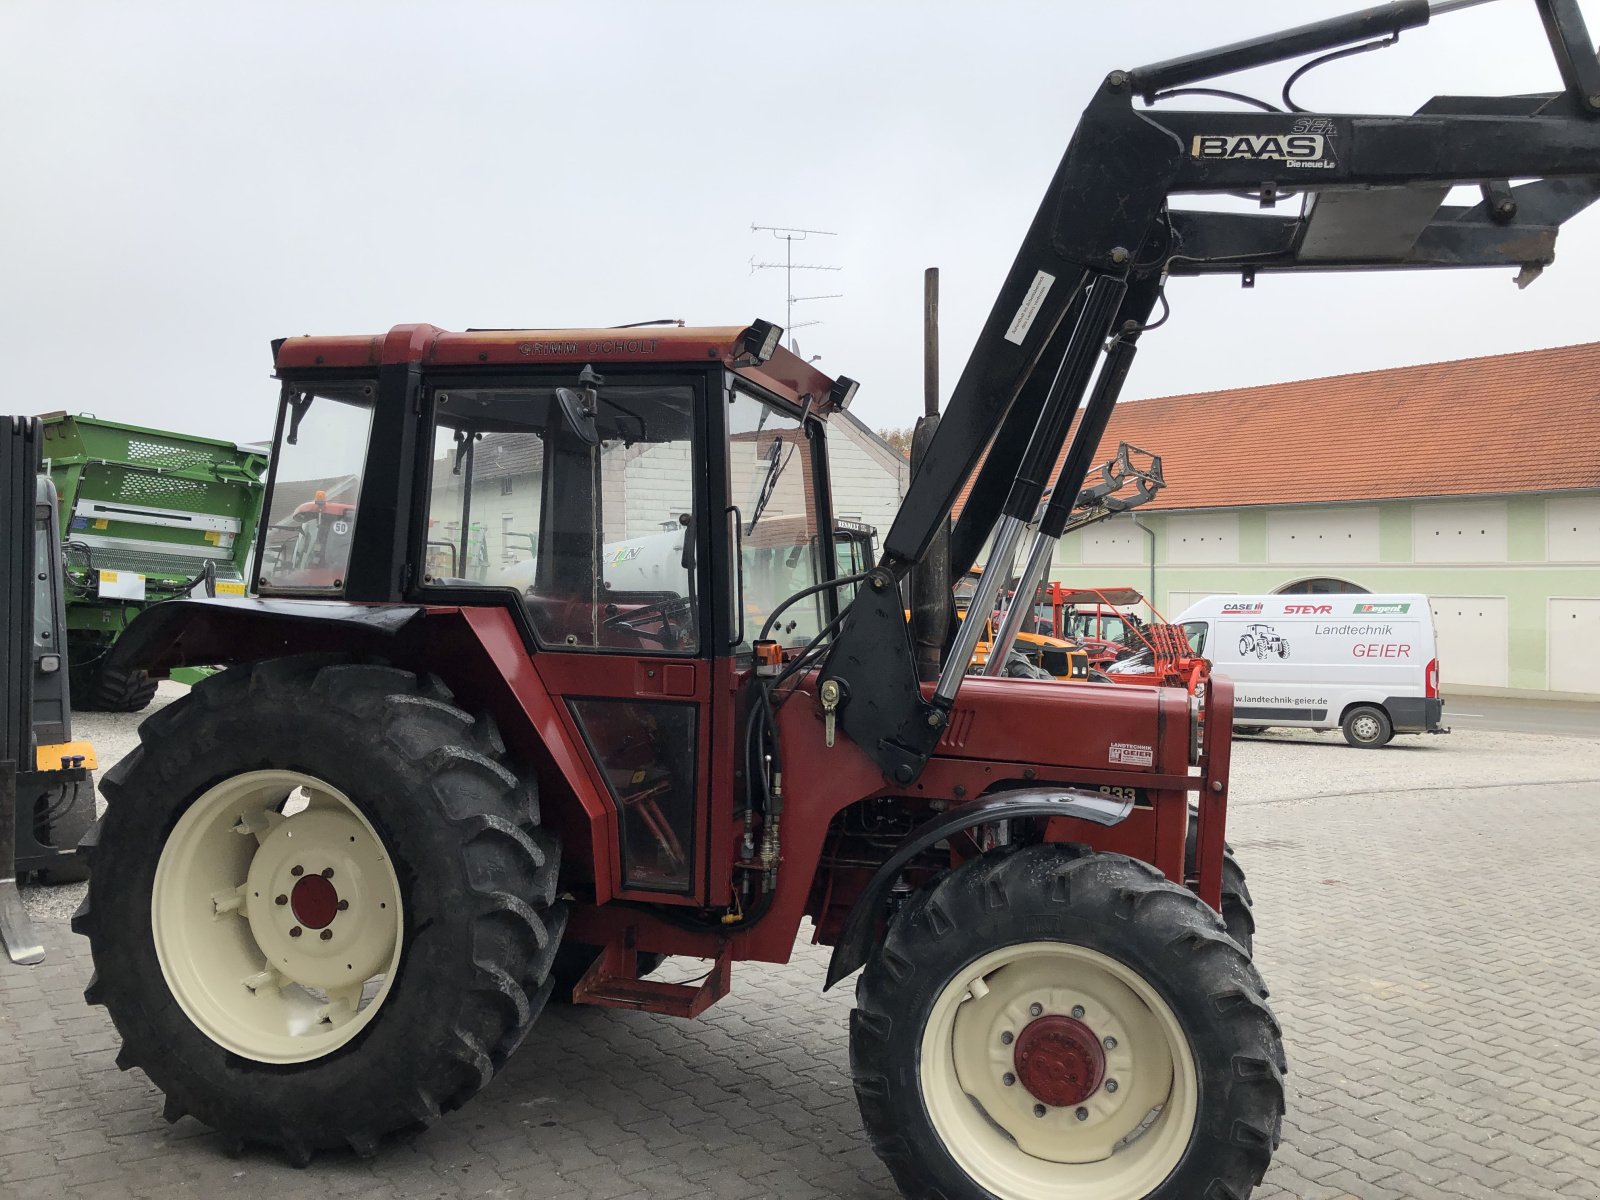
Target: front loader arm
column 1104, row 241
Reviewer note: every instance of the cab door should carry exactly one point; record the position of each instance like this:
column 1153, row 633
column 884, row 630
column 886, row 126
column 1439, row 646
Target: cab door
column 587, row 494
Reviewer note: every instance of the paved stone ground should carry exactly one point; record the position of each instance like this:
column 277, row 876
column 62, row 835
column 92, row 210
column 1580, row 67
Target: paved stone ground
column 1434, row 955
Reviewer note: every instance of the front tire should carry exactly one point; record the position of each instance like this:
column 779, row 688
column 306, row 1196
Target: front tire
column 1367, row 727
column 382, row 982
column 1043, row 1026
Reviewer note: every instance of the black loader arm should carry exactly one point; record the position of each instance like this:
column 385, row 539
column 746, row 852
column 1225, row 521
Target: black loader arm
column 1369, row 193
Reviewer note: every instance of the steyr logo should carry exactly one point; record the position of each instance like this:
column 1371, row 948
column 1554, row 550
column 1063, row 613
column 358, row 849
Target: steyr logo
column 1291, row 147
column 1308, row 610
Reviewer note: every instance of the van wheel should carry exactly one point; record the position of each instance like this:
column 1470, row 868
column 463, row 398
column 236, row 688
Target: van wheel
column 1250, row 730
column 1367, row 726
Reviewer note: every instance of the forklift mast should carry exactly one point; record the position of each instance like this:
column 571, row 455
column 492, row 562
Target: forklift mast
column 1372, row 194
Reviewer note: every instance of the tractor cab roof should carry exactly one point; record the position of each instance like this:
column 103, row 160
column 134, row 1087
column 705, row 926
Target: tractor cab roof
column 752, row 351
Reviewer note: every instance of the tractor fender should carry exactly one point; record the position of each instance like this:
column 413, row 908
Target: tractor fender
column 206, row 631
column 860, row 930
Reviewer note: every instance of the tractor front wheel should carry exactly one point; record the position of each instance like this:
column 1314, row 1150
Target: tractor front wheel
column 321, row 908
column 1039, row 1025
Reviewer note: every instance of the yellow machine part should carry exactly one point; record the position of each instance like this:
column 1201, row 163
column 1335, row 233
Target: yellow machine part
column 48, row 758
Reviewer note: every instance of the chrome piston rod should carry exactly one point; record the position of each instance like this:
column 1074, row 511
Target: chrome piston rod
column 1007, row 533
column 1021, row 602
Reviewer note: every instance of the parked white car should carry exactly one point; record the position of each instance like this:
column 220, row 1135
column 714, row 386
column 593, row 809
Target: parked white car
column 1366, row 664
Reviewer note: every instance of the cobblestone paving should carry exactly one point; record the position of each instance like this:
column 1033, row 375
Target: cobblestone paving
column 1434, row 957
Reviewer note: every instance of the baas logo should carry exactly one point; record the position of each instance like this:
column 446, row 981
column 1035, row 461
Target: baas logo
column 1381, row 610
column 1254, row 607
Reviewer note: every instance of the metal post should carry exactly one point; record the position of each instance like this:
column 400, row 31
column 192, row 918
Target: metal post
column 20, row 438
column 16, row 929
column 930, row 342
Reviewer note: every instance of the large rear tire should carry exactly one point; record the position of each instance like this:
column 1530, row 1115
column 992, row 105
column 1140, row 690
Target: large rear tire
column 321, row 907
column 1043, row 1026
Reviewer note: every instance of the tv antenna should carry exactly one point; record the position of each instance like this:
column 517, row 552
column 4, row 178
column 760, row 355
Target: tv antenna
column 789, row 236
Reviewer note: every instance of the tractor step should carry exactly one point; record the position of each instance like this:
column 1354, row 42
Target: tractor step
column 613, row 982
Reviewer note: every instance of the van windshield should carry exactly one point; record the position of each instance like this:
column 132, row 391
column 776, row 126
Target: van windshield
column 1195, row 631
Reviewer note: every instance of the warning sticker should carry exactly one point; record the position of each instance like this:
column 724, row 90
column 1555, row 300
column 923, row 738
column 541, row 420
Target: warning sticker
column 1132, row 754
column 1029, row 309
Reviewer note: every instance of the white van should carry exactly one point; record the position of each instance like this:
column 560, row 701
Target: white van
column 1365, row 664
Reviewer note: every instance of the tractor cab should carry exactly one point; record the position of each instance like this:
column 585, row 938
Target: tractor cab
column 638, row 502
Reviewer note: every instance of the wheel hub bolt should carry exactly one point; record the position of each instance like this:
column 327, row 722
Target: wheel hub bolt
column 327, row 872
column 1082, row 1114
column 1035, row 1009
column 1007, row 1038
column 295, row 932
column 1111, row 1085
column 327, row 934
column 343, row 905
column 281, row 900
column 297, row 870
column 1077, row 1012
column 1008, row 1079
column 1039, row 1110
column 1110, row 1043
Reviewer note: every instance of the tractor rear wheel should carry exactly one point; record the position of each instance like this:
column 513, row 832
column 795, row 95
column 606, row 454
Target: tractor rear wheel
column 1043, row 1026
column 322, row 908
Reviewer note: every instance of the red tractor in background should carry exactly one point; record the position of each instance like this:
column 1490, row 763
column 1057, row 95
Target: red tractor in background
column 337, row 882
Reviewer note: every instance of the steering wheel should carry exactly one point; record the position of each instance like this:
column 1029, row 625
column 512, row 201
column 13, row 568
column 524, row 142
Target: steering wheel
column 665, row 610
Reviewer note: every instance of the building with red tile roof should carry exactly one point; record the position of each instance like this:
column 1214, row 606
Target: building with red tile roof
column 1476, row 482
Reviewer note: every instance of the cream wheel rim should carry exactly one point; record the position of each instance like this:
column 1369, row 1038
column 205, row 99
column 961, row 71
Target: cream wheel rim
column 276, row 916
column 1121, row 1061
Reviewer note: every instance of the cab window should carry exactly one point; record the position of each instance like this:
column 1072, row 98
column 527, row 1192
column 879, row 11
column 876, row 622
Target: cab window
column 1195, row 631
column 581, row 498
column 772, row 482
column 316, row 483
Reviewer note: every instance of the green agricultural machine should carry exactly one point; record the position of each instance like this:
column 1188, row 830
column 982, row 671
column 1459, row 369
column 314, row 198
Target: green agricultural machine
column 146, row 516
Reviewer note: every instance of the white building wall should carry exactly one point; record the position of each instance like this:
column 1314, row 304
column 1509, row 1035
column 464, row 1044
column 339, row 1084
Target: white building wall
column 865, row 488
column 1572, row 529
column 1472, row 531
column 1203, row 538
column 1317, row 536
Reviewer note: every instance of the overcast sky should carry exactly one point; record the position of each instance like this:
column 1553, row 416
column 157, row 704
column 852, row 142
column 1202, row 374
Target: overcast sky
column 185, row 182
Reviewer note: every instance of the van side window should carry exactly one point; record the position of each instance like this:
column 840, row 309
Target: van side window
column 1195, row 631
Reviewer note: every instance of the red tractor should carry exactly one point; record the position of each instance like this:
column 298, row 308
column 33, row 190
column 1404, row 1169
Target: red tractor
column 338, row 881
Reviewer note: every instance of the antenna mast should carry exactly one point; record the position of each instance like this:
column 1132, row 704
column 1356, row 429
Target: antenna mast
column 789, row 236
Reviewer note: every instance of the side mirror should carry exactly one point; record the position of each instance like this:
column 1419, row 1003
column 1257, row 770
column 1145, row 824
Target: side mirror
column 578, row 409
column 579, row 406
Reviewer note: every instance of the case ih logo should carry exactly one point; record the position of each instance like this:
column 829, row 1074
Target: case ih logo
column 1242, row 608
column 1308, row 610
column 1381, row 610
column 1294, row 149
